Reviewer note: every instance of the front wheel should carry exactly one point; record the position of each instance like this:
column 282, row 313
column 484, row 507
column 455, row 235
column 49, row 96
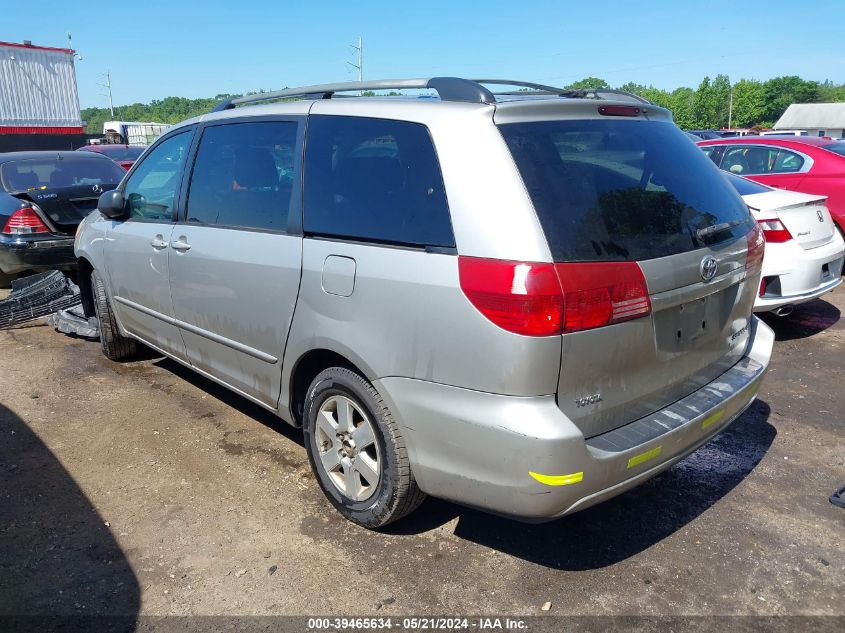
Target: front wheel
column 115, row 345
column 356, row 450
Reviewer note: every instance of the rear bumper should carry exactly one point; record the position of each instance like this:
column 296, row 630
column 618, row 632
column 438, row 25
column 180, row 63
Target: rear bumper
column 802, row 275
column 522, row 457
column 18, row 254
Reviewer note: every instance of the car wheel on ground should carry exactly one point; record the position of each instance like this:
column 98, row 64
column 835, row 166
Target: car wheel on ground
column 115, row 346
column 357, row 451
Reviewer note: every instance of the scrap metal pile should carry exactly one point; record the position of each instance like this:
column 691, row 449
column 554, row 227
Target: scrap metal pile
column 37, row 296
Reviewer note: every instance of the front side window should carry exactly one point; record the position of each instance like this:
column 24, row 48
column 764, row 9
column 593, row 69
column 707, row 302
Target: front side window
column 150, row 191
column 374, row 180
column 244, row 175
column 617, row 190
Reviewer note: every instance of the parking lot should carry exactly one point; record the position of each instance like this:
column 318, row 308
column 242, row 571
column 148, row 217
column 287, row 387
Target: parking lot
column 142, row 488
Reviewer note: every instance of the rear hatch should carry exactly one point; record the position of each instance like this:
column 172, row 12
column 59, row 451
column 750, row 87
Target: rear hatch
column 630, row 203
column 65, row 189
column 805, row 216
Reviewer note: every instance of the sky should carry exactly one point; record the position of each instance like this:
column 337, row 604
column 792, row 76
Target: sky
column 154, row 49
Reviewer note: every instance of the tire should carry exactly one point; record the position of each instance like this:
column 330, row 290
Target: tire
column 379, row 453
column 115, row 346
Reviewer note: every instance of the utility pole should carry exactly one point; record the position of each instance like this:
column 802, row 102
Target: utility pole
column 107, row 86
column 360, row 65
column 730, row 107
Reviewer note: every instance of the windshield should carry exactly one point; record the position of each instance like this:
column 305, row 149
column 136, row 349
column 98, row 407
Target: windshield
column 836, row 148
column 617, row 190
column 745, row 187
column 56, row 173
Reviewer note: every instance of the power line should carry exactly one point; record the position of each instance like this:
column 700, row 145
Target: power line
column 360, row 65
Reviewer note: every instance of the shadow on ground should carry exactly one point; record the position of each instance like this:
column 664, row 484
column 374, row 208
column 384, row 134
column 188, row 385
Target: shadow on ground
column 808, row 319
column 626, row 525
column 58, row 560
column 231, row 399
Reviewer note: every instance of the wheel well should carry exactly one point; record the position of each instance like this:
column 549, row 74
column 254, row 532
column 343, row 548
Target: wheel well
column 306, row 370
column 83, row 280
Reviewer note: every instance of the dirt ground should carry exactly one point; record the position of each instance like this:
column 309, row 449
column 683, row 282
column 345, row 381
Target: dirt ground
column 140, row 488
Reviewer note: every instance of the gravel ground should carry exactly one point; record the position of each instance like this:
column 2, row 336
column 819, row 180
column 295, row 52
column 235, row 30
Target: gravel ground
column 140, row 488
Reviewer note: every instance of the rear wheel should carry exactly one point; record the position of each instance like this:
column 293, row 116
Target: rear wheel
column 357, row 451
column 115, row 346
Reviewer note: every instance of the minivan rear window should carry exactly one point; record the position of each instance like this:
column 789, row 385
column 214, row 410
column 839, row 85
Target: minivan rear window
column 614, row 190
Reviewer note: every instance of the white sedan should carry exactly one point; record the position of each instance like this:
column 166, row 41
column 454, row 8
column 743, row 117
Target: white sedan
column 804, row 251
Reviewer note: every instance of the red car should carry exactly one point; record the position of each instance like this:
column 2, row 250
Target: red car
column 800, row 163
column 123, row 155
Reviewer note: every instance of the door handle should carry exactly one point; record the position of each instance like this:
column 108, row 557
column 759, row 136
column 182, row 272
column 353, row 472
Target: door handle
column 181, row 244
column 158, row 242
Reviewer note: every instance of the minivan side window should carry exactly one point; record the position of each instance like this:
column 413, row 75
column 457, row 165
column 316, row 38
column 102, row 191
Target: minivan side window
column 243, row 175
column 374, row 180
column 151, row 189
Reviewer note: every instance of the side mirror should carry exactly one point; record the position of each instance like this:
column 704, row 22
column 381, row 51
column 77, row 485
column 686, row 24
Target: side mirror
column 112, row 205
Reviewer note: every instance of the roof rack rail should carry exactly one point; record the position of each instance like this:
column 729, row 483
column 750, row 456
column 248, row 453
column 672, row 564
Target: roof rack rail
column 448, row 89
column 520, row 84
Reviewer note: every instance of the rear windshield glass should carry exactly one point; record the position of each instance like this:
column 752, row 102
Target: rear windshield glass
column 836, row 148
column 616, row 190
column 119, row 152
column 745, row 187
column 55, row 173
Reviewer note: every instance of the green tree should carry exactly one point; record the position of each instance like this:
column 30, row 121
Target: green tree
column 831, row 93
column 781, row 92
column 682, row 106
column 749, row 103
column 710, row 105
column 588, row 82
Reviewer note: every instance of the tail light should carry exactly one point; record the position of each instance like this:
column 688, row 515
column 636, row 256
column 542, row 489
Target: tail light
column 536, row 299
column 774, row 231
column 598, row 294
column 25, row 221
column 756, row 248
column 523, row 298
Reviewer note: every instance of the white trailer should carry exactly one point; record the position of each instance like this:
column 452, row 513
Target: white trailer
column 133, row 132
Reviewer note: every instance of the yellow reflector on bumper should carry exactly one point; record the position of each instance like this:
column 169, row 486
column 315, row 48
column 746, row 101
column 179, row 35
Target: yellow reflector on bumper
column 644, row 457
column 710, row 419
column 557, row 480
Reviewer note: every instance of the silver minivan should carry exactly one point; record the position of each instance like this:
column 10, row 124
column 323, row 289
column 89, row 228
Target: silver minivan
column 519, row 298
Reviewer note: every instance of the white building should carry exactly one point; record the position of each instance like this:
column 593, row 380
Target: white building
column 818, row 119
column 38, row 92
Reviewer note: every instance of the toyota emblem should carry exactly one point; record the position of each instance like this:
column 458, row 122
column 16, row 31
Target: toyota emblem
column 708, row 267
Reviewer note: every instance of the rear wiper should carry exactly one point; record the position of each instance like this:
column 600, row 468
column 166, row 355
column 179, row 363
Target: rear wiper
column 716, row 228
